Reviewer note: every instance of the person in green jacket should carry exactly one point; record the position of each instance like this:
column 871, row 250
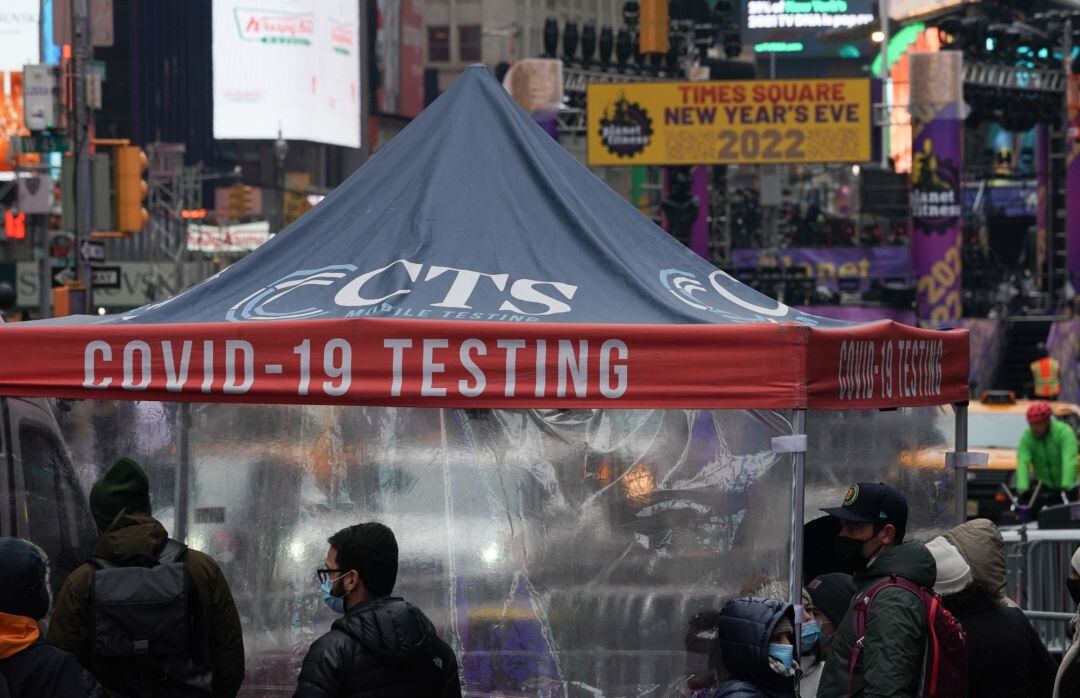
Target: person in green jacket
column 873, row 519
column 1048, row 446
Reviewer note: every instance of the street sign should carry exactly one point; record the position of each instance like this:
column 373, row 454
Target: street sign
column 41, row 143
column 61, row 275
column 92, row 251
column 105, row 278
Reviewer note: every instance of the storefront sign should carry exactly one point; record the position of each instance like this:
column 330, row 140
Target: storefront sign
column 702, row 123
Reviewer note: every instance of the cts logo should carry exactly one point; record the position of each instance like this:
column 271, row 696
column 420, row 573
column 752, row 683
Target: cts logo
column 339, row 291
column 726, row 297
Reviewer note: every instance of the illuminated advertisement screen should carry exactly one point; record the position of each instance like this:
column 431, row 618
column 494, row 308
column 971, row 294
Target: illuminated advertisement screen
column 287, row 65
column 802, row 27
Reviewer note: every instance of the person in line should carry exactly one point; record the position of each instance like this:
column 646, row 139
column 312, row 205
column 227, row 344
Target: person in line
column 755, row 639
column 873, row 518
column 382, row 645
column 194, row 643
column 1049, row 448
column 1005, row 657
column 29, row 666
column 1067, row 680
column 830, row 595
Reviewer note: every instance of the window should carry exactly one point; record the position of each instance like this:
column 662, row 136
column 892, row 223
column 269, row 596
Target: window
column 469, row 37
column 438, row 44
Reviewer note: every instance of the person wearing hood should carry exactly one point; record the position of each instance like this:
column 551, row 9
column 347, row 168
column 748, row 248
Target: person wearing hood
column 1005, row 657
column 382, row 645
column 829, row 596
column 873, row 520
column 1067, row 681
column 28, row 666
column 757, row 648
column 131, row 537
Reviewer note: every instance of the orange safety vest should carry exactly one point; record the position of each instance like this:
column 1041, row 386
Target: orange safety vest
column 1047, row 375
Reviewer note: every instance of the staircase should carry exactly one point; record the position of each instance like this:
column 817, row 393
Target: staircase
column 1022, row 338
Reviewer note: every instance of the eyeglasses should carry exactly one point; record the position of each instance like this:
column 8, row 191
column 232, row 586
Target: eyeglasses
column 324, row 573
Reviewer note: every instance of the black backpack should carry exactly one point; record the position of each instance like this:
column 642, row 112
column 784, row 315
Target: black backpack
column 143, row 621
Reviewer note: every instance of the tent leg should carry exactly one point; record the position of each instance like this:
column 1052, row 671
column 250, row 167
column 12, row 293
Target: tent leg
column 959, row 468
column 183, row 471
column 798, row 507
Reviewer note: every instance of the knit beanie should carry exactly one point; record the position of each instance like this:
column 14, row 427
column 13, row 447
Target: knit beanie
column 953, row 571
column 24, row 579
column 832, row 594
column 783, row 626
column 1076, row 561
column 123, row 486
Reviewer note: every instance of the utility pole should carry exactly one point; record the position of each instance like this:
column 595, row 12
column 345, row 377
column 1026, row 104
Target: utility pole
column 883, row 13
column 82, row 133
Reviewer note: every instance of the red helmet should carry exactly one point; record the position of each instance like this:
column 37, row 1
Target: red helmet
column 1039, row 412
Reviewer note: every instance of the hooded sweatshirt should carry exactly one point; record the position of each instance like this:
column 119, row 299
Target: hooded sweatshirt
column 381, row 648
column 29, row 667
column 746, row 627
column 136, row 539
column 890, row 664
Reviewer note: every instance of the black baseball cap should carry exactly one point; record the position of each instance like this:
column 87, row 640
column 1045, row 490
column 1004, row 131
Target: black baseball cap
column 873, row 502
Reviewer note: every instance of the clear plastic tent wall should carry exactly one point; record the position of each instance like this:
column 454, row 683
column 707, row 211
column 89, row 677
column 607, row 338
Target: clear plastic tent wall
column 560, row 552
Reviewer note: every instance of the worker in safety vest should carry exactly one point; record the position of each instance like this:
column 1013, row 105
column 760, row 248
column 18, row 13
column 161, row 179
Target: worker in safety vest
column 1048, row 447
column 1046, row 373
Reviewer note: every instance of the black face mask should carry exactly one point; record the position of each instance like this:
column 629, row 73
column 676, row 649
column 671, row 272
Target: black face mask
column 1074, row 588
column 850, row 551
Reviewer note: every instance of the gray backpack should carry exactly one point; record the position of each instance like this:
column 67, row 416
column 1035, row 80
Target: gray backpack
column 143, row 621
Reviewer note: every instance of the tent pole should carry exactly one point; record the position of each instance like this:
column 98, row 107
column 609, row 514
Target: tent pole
column 798, row 502
column 183, row 472
column 959, row 467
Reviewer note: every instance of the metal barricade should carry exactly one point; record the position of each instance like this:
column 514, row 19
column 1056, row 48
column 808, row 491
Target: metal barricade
column 1038, row 564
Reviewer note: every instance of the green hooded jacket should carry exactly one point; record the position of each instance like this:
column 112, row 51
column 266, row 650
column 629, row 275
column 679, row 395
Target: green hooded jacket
column 133, row 535
column 1053, row 458
column 890, row 665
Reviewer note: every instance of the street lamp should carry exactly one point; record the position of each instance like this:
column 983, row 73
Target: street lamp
column 281, row 150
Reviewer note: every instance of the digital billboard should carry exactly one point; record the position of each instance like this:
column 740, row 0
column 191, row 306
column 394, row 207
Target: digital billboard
column 802, row 26
column 19, row 34
column 287, row 65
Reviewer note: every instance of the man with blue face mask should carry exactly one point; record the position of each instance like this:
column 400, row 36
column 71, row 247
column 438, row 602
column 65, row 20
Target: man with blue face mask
column 381, row 645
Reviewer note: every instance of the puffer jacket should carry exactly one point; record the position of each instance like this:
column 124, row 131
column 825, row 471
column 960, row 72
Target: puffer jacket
column 1067, row 681
column 980, row 543
column 135, row 536
column 890, row 664
column 746, row 627
column 379, row 649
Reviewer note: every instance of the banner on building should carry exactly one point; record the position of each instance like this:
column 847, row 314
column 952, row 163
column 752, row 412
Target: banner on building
column 828, row 265
column 936, row 201
column 242, row 237
column 705, row 123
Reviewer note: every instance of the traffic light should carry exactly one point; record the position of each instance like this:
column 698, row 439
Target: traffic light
column 14, row 225
column 655, row 26
column 131, row 189
column 239, row 201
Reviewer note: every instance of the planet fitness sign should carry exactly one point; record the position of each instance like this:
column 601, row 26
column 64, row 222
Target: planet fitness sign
column 709, row 123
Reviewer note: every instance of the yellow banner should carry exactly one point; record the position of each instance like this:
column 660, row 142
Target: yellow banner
column 712, row 123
